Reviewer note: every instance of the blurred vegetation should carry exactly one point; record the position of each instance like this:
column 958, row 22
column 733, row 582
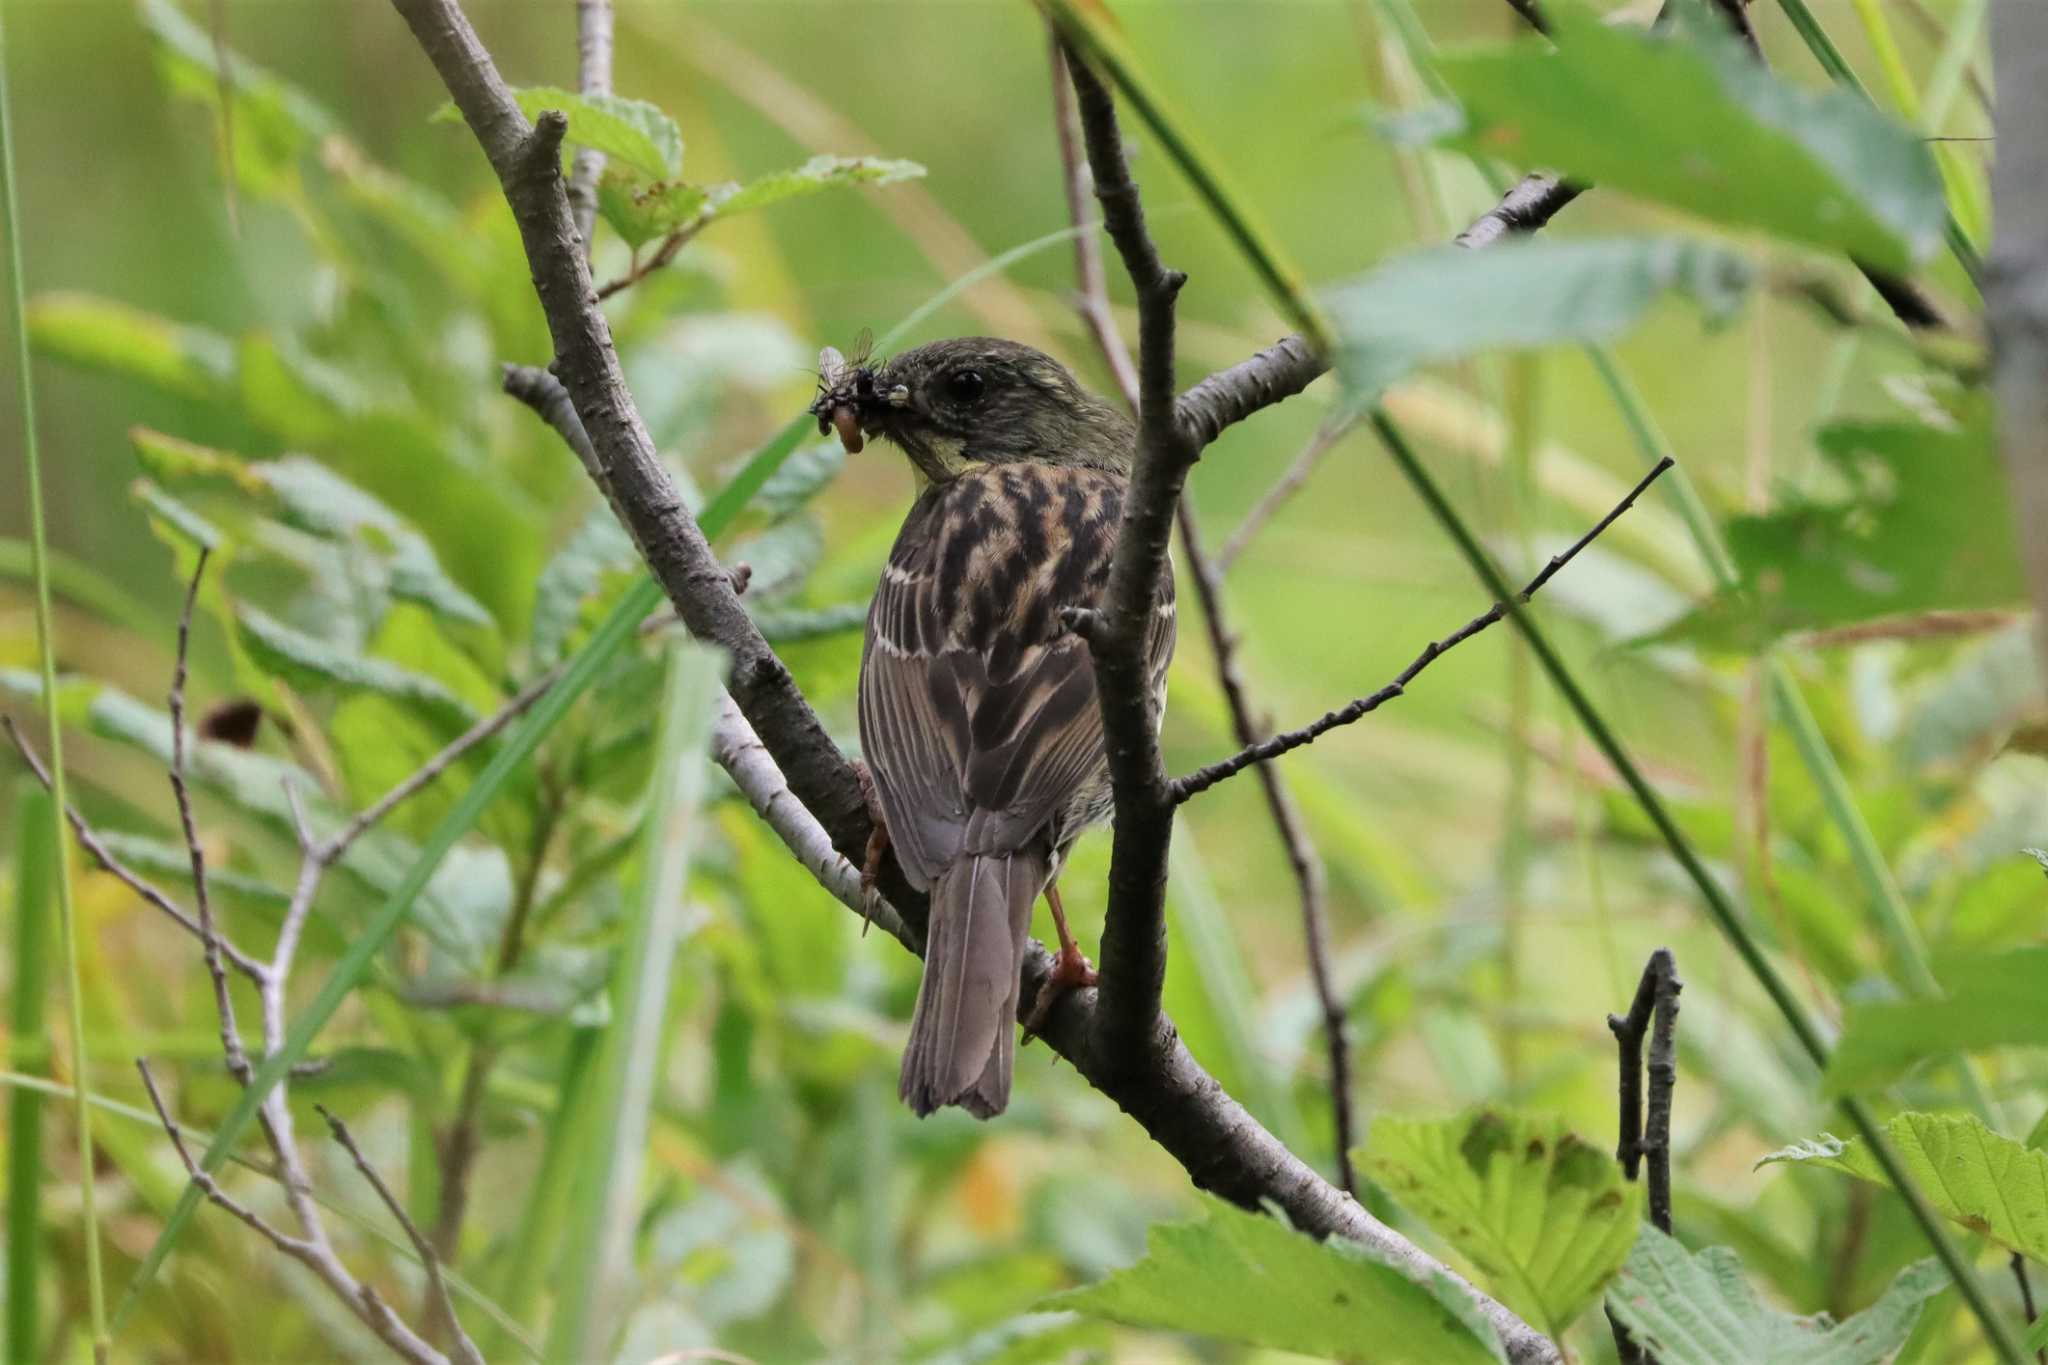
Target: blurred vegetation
column 298, row 364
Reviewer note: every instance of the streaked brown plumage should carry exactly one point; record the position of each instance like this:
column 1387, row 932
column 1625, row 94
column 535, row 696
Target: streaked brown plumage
column 978, row 715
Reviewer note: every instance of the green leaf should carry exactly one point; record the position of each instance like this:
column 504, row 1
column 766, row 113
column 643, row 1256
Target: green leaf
column 1446, row 302
column 1688, row 118
column 1994, row 1000
column 1544, row 1214
column 275, row 123
column 1970, row 1174
column 817, row 174
column 308, row 496
column 640, row 210
column 1243, row 1277
column 1925, row 523
column 101, row 334
column 633, row 132
column 313, row 665
column 1700, row 1310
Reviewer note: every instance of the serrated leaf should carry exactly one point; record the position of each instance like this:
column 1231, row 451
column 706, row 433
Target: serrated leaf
column 101, row 334
column 1994, row 1000
column 1970, row 1174
column 2039, row 855
column 1700, row 1310
column 1546, row 1216
column 1686, row 117
column 316, row 665
column 819, row 173
column 1446, row 302
column 1242, row 1277
column 307, row 496
column 633, row 132
column 176, row 521
column 640, row 210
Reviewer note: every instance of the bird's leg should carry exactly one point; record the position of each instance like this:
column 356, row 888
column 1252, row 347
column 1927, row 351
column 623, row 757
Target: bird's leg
column 1069, row 967
column 878, row 847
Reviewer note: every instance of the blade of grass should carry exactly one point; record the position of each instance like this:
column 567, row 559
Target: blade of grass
column 35, row 857
column 598, row 1259
column 540, row 1225
column 718, row 515
column 46, row 649
column 1280, row 276
column 1831, row 61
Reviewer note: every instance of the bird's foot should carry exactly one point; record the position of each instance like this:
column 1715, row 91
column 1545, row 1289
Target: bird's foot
column 1071, row 970
column 878, row 848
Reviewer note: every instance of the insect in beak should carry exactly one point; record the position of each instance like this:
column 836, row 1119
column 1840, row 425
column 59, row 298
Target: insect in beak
column 837, row 407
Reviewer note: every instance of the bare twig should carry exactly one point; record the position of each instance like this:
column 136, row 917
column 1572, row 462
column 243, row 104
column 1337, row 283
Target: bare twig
column 1528, row 205
column 1134, row 927
column 526, row 160
column 1322, row 443
column 224, row 1005
column 593, row 77
column 1204, row 778
column 2019, row 1272
column 1091, row 286
column 90, row 840
column 1654, row 1012
column 1092, row 302
column 313, row 1252
column 437, row 1287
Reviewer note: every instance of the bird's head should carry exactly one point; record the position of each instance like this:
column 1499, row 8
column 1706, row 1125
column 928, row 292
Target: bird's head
column 951, row 405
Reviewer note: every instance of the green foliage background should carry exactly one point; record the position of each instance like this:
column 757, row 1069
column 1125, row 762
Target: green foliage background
column 1493, row 891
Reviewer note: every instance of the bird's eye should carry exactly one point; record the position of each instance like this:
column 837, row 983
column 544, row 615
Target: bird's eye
column 964, row 386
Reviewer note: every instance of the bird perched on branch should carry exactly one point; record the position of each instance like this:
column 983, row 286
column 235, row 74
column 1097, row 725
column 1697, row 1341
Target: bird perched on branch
column 978, row 714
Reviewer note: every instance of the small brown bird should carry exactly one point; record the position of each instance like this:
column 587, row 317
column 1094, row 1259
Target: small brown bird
column 978, row 715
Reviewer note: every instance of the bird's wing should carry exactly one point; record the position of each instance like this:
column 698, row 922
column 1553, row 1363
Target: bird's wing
column 977, row 708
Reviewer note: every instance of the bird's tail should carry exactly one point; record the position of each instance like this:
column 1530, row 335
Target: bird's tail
column 963, row 1035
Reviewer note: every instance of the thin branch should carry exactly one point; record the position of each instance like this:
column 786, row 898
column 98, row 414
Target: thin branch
column 593, row 77
column 1654, row 1013
column 1134, row 928
column 223, row 1002
column 2019, row 1272
column 736, row 748
column 437, row 1288
column 526, row 161
column 1199, row 781
column 1527, row 207
column 1091, row 286
column 1302, row 859
column 516, row 706
column 1326, row 439
column 313, row 1253
column 1092, row 302
column 90, row 840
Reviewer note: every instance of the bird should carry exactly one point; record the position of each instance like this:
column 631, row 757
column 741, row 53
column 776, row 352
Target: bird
column 979, row 723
